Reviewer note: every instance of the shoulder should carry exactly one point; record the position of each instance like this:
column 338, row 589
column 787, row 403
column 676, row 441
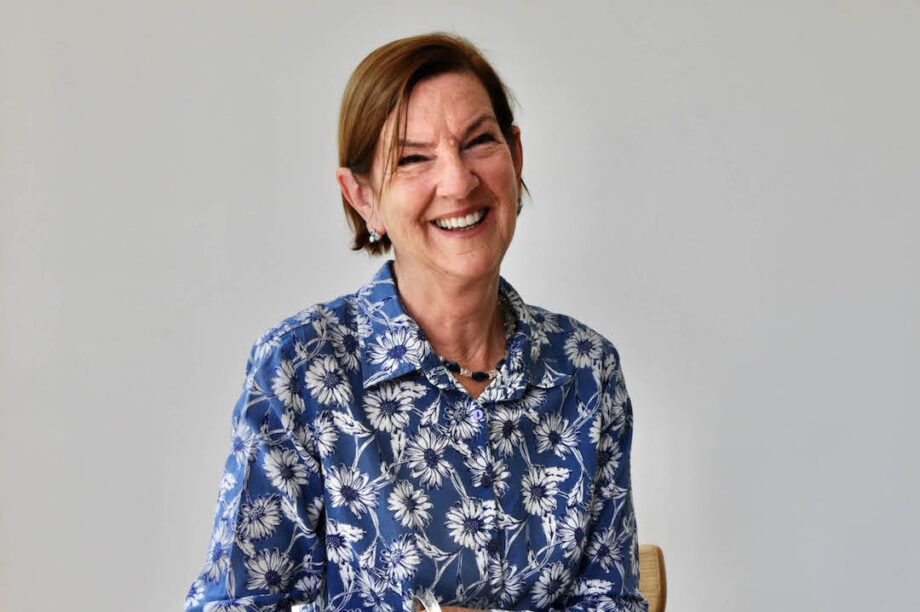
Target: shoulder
column 307, row 331
column 592, row 359
column 569, row 340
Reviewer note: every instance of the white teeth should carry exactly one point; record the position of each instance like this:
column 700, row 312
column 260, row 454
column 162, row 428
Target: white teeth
column 458, row 222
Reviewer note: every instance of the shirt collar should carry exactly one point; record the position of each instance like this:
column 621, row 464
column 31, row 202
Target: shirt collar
column 396, row 345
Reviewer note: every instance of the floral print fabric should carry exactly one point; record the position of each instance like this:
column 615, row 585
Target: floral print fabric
column 361, row 474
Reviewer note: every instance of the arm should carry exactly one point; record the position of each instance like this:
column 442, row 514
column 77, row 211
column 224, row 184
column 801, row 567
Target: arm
column 608, row 577
column 264, row 553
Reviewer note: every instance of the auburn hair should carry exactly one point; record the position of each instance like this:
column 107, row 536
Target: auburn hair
column 381, row 86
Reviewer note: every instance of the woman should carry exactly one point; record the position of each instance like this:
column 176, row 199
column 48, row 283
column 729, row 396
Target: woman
column 430, row 439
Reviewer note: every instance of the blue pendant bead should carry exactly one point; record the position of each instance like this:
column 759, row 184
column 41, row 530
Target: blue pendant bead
column 478, row 375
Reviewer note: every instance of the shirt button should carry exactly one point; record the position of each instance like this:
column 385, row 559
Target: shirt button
column 492, row 546
column 486, row 480
column 476, row 414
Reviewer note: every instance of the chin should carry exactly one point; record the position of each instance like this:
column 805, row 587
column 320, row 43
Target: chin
column 473, row 265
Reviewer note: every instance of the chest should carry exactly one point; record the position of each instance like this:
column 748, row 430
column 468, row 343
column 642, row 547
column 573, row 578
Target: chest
column 425, row 482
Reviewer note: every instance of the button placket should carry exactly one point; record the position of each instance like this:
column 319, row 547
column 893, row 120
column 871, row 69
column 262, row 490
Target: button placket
column 486, row 492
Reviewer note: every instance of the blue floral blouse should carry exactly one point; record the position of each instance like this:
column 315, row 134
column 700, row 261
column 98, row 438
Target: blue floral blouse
column 361, row 474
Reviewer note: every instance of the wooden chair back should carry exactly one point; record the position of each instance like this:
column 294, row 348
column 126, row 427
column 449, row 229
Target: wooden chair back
column 652, row 580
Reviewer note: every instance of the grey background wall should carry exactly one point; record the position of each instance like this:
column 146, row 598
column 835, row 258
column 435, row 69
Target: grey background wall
column 727, row 190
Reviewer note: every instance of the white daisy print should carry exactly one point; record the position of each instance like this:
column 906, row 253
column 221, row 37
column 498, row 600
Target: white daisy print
column 608, row 366
column 554, row 434
column 240, row 604
column 269, row 341
column 505, row 578
column 372, row 592
column 486, row 473
column 328, row 383
column 460, row 423
column 543, row 323
column 259, row 518
column 514, row 357
column 269, row 570
column 245, row 443
column 400, row 559
column 395, row 348
column 325, row 433
column 218, row 561
column 352, row 488
column 611, row 490
column 425, row 456
column 388, row 407
column 469, row 522
column 500, row 386
column 594, row 433
column 613, row 411
column 572, row 532
column 303, row 435
column 602, row 549
column 310, row 586
column 550, row 585
column 583, row 347
column 339, row 539
column 288, row 386
column 540, row 487
column 195, row 593
column 536, row 347
column 504, row 431
column 410, row 506
column 608, row 456
column 420, row 340
column 412, row 389
column 587, row 587
column 347, row 345
column 358, row 321
column 227, row 482
column 320, row 317
column 284, row 469
column 533, row 398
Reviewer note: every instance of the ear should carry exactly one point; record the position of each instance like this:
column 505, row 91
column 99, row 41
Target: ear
column 517, row 151
column 358, row 194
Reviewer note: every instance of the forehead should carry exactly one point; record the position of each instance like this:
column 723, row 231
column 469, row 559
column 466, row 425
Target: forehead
column 449, row 100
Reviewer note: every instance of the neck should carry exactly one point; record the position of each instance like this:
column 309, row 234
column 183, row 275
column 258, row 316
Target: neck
column 461, row 317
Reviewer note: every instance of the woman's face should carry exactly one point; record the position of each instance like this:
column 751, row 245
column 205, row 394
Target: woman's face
column 450, row 206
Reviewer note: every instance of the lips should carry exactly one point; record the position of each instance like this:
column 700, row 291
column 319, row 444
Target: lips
column 461, row 222
column 460, row 214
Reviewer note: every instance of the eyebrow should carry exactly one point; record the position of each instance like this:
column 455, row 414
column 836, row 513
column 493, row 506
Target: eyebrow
column 483, row 118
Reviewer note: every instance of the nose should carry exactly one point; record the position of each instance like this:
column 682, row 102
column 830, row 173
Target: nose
column 457, row 178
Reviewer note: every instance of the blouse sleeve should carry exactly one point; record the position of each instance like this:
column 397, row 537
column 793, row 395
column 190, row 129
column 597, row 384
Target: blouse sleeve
column 608, row 577
column 265, row 553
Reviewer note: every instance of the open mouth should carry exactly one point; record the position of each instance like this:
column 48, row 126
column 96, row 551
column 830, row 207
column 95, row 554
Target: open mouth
column 462, row 224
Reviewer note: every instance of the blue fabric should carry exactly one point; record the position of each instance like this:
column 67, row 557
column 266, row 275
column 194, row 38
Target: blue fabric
column 361, row 473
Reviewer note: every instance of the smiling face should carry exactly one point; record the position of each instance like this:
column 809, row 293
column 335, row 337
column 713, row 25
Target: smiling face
column 450, row 205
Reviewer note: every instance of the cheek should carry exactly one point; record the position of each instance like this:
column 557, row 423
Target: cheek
column 405, row 205
column 500, row 173
column 503, row 182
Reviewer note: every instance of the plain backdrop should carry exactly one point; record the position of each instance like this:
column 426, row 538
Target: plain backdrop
column 727, row 190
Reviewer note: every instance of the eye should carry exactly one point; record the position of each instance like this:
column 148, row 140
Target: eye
column 482, row 138
column 410, row 159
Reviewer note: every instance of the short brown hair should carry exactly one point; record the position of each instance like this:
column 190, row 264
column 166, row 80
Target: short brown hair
column 382, row 83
